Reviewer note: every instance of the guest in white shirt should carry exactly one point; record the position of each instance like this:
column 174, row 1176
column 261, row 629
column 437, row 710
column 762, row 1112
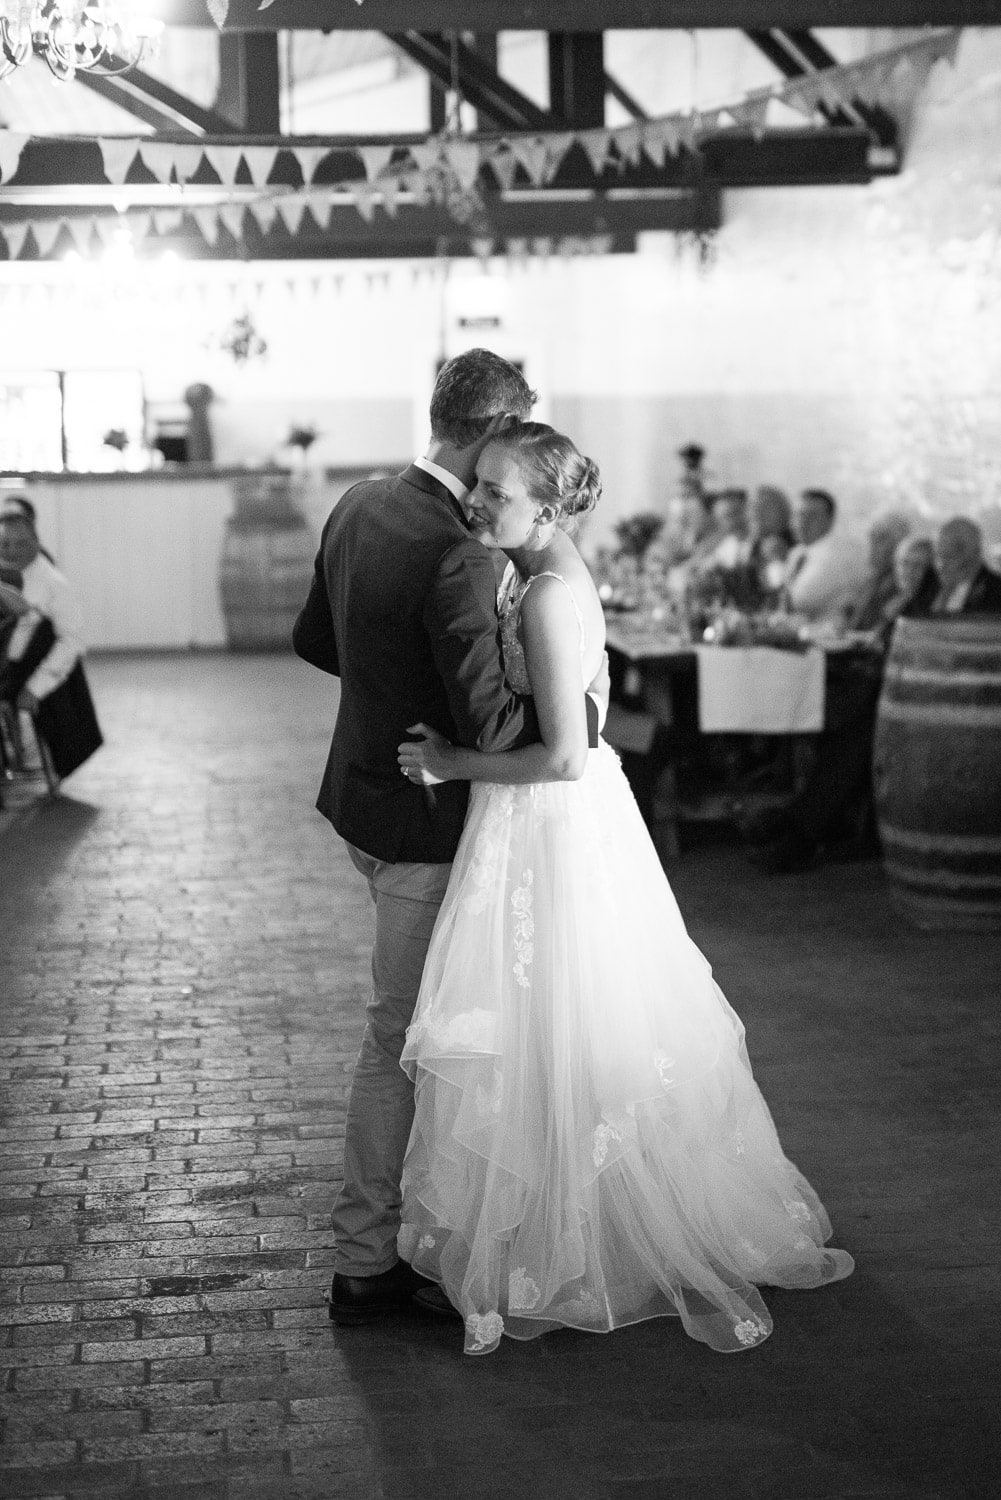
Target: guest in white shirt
column 45, row 595
column 827, row 569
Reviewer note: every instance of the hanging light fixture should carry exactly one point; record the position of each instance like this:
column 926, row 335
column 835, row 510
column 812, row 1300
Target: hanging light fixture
column 102, row 36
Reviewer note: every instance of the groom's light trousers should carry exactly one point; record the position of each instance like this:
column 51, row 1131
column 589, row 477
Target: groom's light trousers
column 366, row 1216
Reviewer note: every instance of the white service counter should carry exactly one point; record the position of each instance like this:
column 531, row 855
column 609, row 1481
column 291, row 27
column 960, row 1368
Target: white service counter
column 143, row 550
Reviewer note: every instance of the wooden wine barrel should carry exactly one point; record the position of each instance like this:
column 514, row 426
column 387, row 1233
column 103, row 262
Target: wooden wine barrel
column 937, row 771
column 266, row 564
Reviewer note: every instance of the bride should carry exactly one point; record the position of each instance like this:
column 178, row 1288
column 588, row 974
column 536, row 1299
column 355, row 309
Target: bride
column 589, row 1147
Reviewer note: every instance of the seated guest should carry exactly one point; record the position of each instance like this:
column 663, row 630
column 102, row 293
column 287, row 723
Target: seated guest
column 40, row 668
column 720, row 568
column 688, row 522
column 886, row 532
column 728, row 543
column 771, row 514
column 916, row 578
column 967, row 586
column 24, row 505
column 827, row 567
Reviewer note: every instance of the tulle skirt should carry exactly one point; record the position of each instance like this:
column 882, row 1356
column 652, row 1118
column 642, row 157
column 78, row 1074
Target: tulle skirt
column 589, row 1147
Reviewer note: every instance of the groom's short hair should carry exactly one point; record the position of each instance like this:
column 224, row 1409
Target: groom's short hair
column 471, row 390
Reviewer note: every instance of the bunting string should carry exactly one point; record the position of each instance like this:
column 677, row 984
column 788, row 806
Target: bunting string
column 449, row 169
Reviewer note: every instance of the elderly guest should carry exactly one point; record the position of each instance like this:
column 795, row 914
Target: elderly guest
column 916, row 578
column 967, row 586
column 870, row 610
column 827, row 567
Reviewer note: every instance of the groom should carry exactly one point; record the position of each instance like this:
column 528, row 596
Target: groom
column 402, row 609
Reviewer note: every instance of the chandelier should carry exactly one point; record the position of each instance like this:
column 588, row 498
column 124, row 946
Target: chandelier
column 105, row 36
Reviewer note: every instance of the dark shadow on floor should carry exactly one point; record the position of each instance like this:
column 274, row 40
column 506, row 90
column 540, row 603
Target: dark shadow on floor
column 849, row 1397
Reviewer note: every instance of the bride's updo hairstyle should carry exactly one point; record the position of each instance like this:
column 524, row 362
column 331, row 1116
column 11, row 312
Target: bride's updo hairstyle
column 556, row 473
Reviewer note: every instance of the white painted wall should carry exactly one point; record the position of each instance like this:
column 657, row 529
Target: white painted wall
column 846, row 337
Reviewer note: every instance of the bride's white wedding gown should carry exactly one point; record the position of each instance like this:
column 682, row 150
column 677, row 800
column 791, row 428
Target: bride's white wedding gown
column 589, row 1147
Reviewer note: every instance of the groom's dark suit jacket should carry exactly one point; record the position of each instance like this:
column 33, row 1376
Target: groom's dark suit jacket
column 402, row 609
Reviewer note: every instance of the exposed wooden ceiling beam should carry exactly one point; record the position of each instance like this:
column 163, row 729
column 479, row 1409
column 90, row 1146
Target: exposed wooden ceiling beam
column 250, row 81
column 624, row 97
column 479, row 83
column 584, row 15
column 155, row 103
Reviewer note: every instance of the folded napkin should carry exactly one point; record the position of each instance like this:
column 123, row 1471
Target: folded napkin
column 759, row 690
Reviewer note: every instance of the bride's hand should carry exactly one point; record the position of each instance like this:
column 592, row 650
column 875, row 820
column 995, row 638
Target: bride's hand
column 425, row 762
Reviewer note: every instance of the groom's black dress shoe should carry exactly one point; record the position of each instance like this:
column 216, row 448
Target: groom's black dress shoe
column 361, row 1299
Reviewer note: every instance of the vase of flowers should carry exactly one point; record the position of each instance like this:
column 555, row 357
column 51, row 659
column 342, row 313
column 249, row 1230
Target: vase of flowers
column 636, row 533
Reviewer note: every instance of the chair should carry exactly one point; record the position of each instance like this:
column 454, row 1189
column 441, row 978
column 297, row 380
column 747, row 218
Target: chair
column 13, row 758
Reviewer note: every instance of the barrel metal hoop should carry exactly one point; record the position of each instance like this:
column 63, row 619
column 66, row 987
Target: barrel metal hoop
column 967, row 716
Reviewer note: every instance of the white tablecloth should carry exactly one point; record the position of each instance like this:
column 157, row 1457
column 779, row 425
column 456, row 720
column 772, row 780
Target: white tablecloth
column 759, row 690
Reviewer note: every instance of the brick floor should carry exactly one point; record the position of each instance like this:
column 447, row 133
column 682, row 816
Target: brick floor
column 183, row 964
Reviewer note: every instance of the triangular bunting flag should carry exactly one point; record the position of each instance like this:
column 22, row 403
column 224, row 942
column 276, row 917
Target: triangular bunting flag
column 655, row 141
column 752, row 114
column 464, row 159
column 208, row 224
column 867, row 82
column 309, row 158
column 167, row 220
column 107, row 228
column 557, row 146
column 595, row 143
column 425, row 155
column 224, row 161
column 187, row 160
column 374, row 159
column 15, row 235
column 686, row 130
column 158, row 158
column 948, row 46
column 46, row 232
column 118, row 153
column 910, row 75
column 139, row 225
column 801, row 98
column 629, row 143
column 81, row 231
column 264, row 213
column 363, row 198
column 321, row 207
column 389, row 187
column 672, row 132
column 231, row 216
column 504, row 165
column 531, row 152
column 260, row 160
column 290, row 211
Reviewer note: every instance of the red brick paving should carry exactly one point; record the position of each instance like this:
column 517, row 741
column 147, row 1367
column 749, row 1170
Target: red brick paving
column 183, row 965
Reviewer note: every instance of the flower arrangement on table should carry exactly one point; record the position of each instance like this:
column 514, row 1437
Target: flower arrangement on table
column 302, row 436
column 636, row 533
